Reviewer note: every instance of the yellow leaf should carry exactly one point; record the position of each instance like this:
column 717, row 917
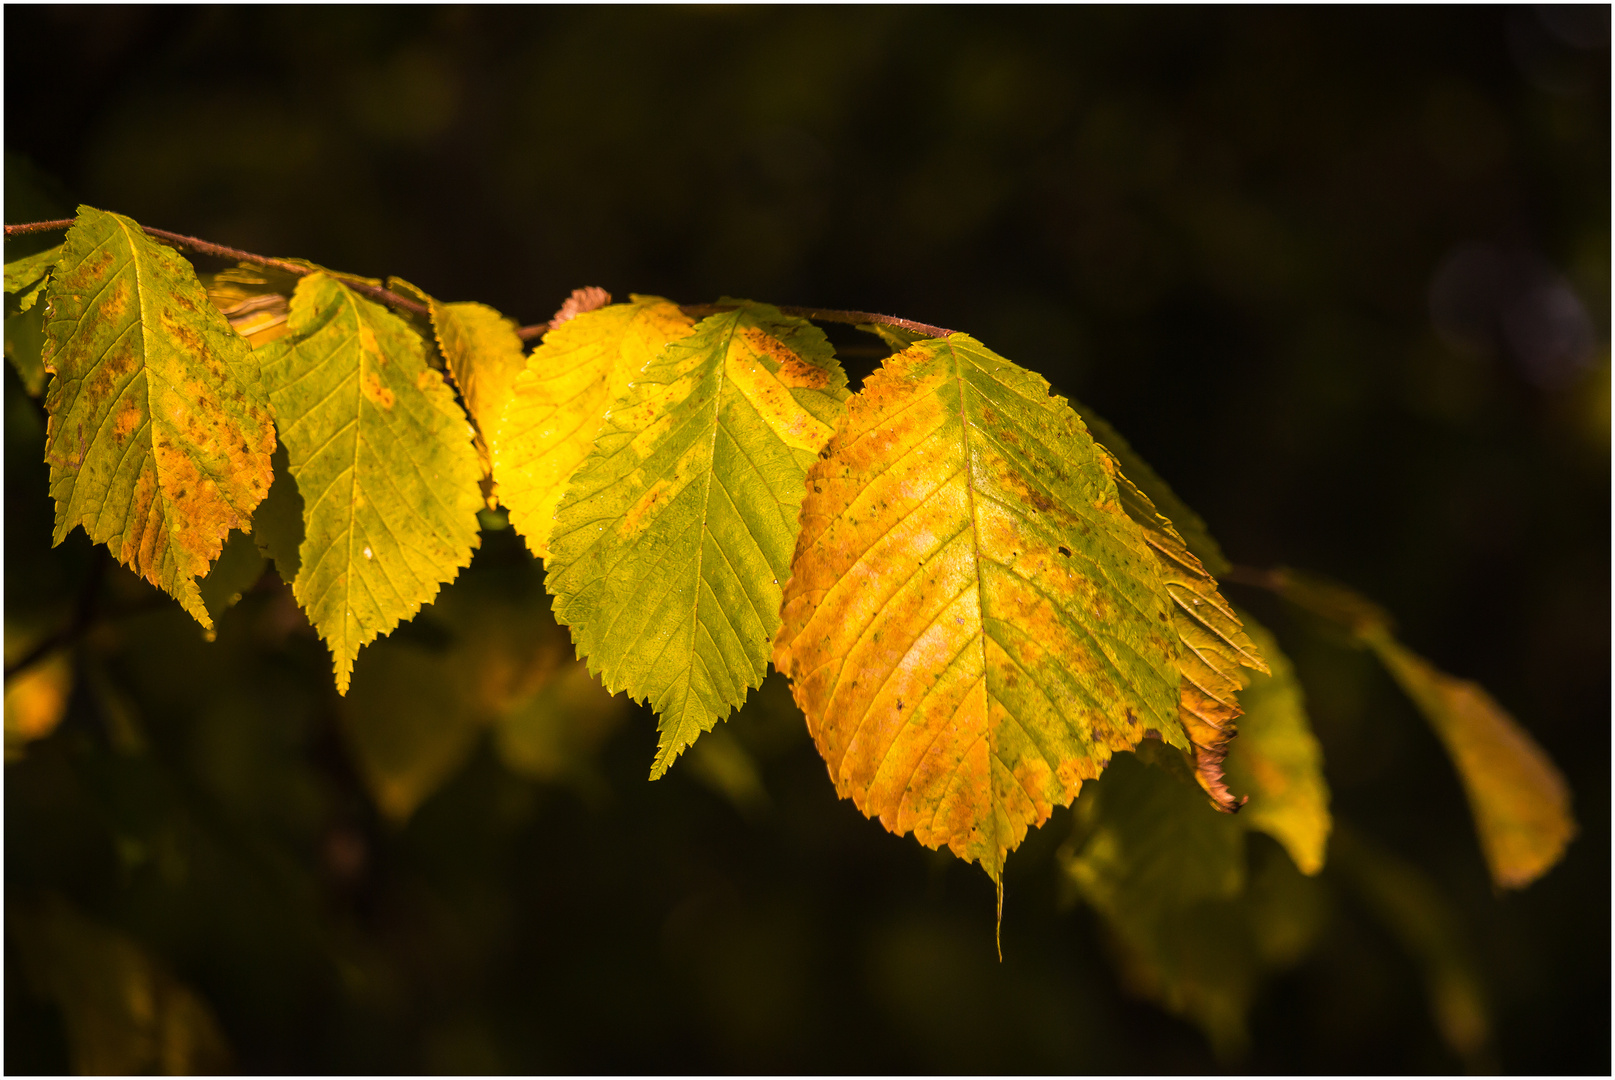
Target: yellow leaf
column 383, row 460
column 974, row 623
column 1215, row 645
column 1278, row 762
column 674, row 535
column 558, row 404
column 159, row 438
column 1519, row 799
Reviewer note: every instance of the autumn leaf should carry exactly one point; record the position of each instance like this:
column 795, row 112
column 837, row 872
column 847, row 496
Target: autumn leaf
column 1193, row 928
column 35, row 697
column 558, row 404
column 669, row 547
column 159, row 439
column 1519, row 799
column 1517, row 796
column 25, row 347
column 1214, row 648
column 384, row 464
column 974, row 623
column 1277, row 760
column 408, row 723
column 484, row 356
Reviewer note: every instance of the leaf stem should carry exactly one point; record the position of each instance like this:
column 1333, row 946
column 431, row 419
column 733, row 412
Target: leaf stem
column 207, row 247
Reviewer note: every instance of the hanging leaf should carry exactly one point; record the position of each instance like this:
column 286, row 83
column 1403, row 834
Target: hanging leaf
column 669, row 547
column 383, row 460
column 408, row 723
column 26, row 276
column 1192, row 928
column 1278, row 761
column 240, row 566
column 25, row 347
column 1517, row 796
column 1519, row 799
column 558, row 403
column 159, row 439
column 484, row 356
column 277, row 525
column 974, row 623
column 35, row 697
column 1214, row 645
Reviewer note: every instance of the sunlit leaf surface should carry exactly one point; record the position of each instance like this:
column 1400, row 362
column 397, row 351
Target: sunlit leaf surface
column 1519, row 799
column 671, row 544
column 1277, row 761
column 383, row 460
column 159, row 438
column 558, row 404
column 974, row 623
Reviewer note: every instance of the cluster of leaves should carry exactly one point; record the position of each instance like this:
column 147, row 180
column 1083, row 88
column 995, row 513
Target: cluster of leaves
column 979, row 593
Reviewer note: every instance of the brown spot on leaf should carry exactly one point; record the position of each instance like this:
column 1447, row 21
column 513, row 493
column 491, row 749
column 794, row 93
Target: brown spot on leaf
column 371, row 385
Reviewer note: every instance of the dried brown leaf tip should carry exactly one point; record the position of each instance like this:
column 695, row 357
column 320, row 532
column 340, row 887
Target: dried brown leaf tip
column 588, row 298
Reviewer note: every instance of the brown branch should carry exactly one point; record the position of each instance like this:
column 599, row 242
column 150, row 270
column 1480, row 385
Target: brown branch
column 852, row 318
column 526, row 333
column 207, row 247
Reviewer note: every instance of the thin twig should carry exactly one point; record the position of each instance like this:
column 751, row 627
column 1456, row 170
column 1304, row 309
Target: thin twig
column 526, row 333
column 207, row 247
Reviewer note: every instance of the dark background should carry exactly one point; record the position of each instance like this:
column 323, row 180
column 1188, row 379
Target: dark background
column 1343, row 277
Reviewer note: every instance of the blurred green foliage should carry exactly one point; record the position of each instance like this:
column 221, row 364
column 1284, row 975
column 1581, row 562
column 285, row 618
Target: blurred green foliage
column 1343, row 277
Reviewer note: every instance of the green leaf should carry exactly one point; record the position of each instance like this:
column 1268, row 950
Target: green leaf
column 123, row 1012
column 1194, row 930
column 383, row 460
column 558, row 404
column 1277, row 760
column 726, row 768
column 1153, row 848
column 26, row 276
column 25, row 347
column 1518, row 797
column 974, row 624
column 553, row 734
column 669, row 547
column 239, row 567
column 159, row 440
column 484, row 356
column 1215, row 647
column 277, row 526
